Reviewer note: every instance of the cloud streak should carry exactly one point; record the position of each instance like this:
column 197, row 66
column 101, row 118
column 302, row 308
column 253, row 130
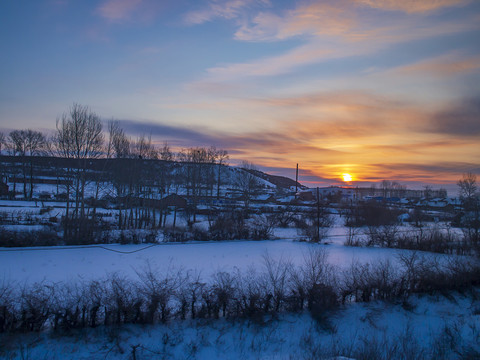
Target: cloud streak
column 226, row 9
column 348, row 132
column 462, row 119
column 412, row 6
column 126, row 11
column 441, row 66
column 118, row 10
column 332, row 30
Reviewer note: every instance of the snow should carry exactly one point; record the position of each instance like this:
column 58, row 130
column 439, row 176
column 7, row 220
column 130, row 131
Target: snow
column 432, row 326
column 90, row 262
column 426, row 324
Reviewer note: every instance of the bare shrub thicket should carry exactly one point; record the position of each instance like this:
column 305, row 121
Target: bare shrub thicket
column 279, row 286
column 286, row 216
column 232, row 225
column 382, row 235
column 433, row 239
column 228, row 225
column 314, row 224
column 20, row 238
column 370, row 213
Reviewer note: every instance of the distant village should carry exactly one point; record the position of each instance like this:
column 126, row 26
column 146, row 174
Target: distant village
column 47, row 181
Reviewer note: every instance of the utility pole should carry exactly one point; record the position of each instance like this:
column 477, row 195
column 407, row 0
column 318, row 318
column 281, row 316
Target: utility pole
column 296, row 183
column 318, row 215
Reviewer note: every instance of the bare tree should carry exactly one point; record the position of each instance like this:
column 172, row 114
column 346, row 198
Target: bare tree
column 247, row 183
column 471, row 206
column 196, row 167
column 3, row 141
column 166, row 153
column 316, row 222
column 26, row 144
column 118, row 143
column 143, row 148
column 221, row 158
column 79, row 137
column 119, row 148
column 467, row 187
column 428, row 192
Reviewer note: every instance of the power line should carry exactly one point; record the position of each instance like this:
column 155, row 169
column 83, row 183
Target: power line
column 78, row 247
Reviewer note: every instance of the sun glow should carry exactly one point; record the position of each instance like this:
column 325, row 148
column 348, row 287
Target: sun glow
column 347, row 177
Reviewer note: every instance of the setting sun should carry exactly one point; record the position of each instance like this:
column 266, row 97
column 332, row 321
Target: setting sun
column 347, row 177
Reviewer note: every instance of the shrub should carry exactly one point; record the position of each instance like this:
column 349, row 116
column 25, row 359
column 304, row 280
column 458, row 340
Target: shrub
column 315, row 224
column 372, row 213
column 24, row 238
column 177, row 235
column 161, row 296
column 229, row 226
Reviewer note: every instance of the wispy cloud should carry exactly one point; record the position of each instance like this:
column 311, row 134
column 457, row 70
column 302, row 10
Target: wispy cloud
column 412, row 6
column 118, row 10
column 342, row 20
column 441, row 66
column 329, row 30
column 310, row 19
column 270, row 66
column 431, row 172
column 263, row 142
column 225, row 9
column 121, row 11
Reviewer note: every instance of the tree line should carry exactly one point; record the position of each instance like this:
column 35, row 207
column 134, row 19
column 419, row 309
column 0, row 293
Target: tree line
column 80, row 137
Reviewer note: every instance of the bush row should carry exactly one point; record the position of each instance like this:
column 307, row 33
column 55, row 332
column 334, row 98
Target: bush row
column 279, row 286
column 430, row 239
column 227, row 226
column 21, row 238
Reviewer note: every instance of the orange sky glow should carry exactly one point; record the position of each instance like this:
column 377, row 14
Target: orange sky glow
column 379, row 89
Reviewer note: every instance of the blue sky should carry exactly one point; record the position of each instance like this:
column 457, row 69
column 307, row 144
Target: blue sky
column 381, row 89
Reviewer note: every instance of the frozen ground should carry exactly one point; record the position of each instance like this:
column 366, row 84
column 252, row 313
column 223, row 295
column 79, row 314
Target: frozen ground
column 430, row 328
column 89, row 262
column 74, row 263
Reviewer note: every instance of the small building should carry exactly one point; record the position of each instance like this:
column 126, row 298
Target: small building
column 61, row 197
column 43, row 196
column 263, row 199
column 3, row 189
column 336, row 192
column 174, row 200
column 305, row 196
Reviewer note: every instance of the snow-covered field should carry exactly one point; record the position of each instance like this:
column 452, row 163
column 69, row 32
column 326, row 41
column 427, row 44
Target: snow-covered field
column 74, row 263
column 424, row 328
column 28, row 265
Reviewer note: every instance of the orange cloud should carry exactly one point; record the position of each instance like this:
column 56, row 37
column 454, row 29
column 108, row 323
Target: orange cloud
column 358, row 132
column 331, row 30
column 446, row 65
column 316, row 19
column 368, row 135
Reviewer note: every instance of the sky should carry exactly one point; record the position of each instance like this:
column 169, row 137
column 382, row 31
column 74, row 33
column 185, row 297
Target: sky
column 379, row 89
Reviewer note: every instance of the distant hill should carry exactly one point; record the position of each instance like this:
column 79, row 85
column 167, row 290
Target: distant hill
column 279, row 181
column 44, row 166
